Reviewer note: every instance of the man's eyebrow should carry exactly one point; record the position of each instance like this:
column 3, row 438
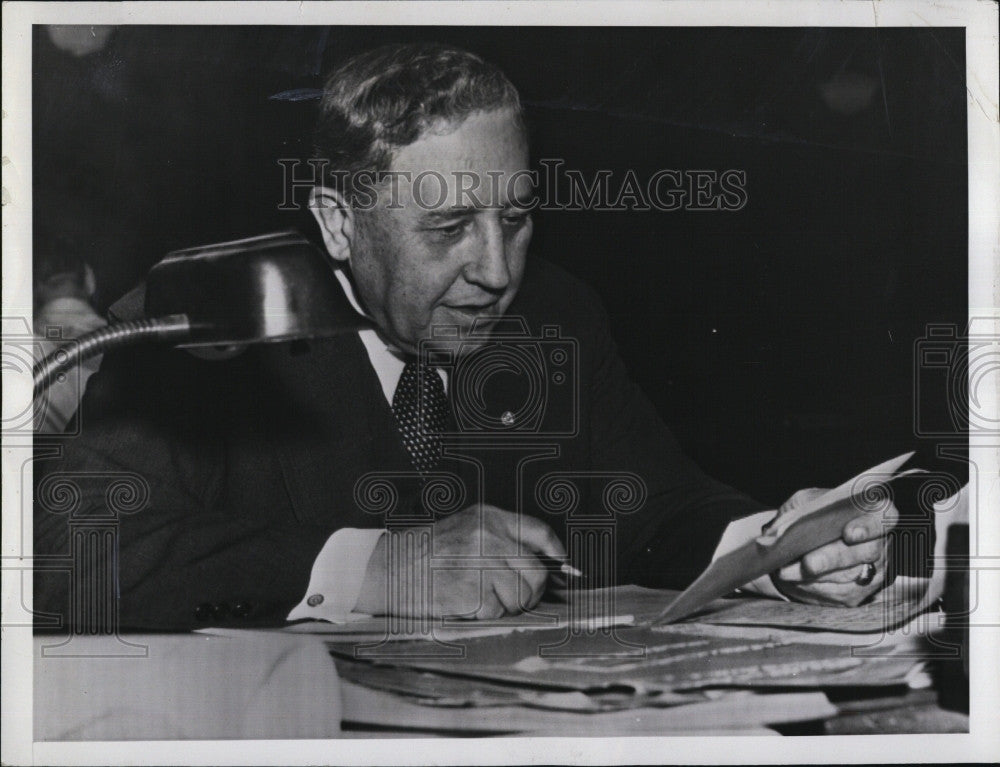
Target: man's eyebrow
column 458, row 211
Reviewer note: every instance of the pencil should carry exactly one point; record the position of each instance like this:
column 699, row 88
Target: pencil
column 568, row 569
column 563, row 566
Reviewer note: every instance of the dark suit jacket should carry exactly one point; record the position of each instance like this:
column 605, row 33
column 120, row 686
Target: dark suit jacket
column 250, row 464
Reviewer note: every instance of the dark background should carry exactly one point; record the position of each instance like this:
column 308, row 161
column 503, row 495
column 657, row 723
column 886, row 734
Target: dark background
column 777, row 341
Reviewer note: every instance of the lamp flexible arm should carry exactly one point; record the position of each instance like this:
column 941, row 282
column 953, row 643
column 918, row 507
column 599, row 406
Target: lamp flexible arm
column 174, row 327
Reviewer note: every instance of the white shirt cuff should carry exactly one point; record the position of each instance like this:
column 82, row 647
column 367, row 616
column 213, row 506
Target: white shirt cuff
column 740, row 532
column 337, row 576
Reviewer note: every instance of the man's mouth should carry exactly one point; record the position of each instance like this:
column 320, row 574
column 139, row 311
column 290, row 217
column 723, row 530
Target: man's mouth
column 472, row 309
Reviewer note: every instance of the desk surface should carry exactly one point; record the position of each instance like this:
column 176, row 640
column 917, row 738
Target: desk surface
column 184, row 686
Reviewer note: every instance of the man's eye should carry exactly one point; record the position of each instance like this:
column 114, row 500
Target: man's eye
column 515, row 220
column 452, row 230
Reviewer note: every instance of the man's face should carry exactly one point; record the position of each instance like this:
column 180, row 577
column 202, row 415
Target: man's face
column 429, row 254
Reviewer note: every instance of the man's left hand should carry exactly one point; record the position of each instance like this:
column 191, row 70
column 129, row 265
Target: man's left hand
column 839, row 573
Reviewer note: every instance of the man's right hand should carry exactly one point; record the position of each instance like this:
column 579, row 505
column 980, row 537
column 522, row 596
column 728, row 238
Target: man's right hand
column 514, row 582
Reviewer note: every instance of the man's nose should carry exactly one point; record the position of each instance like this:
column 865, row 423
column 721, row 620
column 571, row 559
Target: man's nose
column 489, row 268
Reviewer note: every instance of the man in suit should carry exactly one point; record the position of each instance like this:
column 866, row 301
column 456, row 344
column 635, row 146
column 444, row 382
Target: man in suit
column 271, row 477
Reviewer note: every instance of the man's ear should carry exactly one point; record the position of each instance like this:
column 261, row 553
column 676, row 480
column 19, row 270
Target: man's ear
column 335, row 219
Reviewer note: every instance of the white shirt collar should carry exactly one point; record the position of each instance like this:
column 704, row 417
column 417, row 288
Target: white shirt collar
column 385, row 358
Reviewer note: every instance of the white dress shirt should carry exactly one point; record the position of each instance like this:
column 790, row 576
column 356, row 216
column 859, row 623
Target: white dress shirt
column 337, row 574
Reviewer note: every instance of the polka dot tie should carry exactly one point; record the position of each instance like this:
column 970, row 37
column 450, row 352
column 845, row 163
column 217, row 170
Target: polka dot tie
column 421, row 409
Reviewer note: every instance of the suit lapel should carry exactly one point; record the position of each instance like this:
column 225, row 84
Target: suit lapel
column 336, row 427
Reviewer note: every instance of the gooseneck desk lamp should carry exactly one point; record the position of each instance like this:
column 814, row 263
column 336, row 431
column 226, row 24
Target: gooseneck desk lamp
column 217, row 298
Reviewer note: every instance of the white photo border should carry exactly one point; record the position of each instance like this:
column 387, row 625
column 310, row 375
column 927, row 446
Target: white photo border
column 979, row 17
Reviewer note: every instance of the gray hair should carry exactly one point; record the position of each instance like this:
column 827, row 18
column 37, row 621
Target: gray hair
column 386, row 98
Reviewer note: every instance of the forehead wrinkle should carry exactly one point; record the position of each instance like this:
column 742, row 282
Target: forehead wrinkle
column 462, row 155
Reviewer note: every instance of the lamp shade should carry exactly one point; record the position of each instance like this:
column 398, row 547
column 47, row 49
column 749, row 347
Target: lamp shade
column 275, row 287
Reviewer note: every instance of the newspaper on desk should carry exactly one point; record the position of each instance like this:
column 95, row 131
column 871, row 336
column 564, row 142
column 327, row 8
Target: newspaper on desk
column 893, row 608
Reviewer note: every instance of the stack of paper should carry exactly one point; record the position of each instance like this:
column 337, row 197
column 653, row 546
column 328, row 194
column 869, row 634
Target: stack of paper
column 731, row 714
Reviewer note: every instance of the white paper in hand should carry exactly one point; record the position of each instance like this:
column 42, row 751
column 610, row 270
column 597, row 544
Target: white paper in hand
column 814, row 524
